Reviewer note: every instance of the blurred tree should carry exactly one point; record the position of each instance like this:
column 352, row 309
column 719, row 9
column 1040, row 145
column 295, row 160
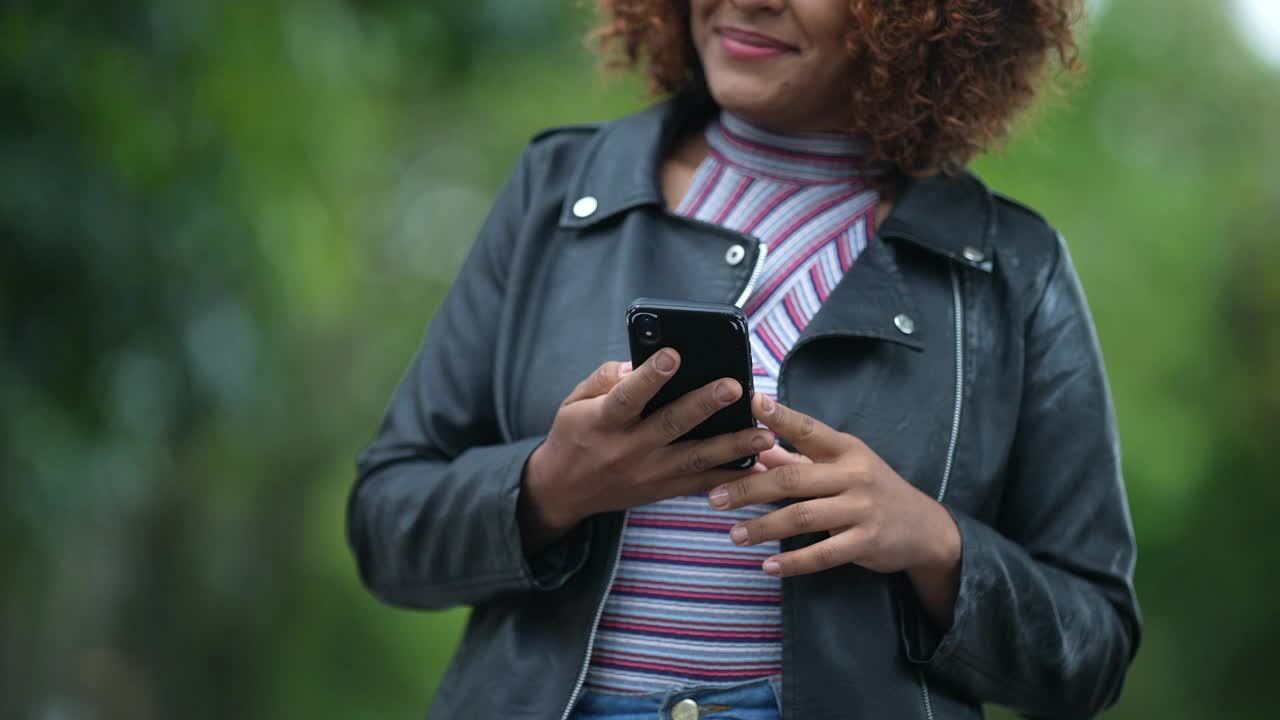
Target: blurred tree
column 223, row 227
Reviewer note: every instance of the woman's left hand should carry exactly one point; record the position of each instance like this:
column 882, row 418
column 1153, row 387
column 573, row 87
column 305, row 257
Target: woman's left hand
column 876, row 519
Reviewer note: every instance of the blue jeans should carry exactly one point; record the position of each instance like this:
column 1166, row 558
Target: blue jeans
column 754, row 700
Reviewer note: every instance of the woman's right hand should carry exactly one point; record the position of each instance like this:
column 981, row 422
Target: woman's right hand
column 601, row 455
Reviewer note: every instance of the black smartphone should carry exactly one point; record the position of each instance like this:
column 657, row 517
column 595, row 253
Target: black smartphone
column 713, row 343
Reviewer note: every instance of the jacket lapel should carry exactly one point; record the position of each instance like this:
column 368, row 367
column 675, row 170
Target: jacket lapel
column 870, row 301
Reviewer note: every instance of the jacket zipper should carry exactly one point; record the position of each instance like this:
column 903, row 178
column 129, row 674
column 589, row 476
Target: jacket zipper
column 955, row 435
column 595, row 623
column 755, row 275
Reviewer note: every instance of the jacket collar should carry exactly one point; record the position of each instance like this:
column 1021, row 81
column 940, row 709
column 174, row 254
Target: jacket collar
column 953, row 216
column 622, row 165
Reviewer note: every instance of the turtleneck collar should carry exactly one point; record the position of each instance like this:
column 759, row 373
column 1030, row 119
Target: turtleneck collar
column 804, row 158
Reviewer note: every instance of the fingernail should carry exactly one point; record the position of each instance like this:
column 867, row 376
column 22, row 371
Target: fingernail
column 665, row 361
column 772, row 567
column 738, row 535
column 719, row 498
column 766, row 402
column 723, row 392
column 624, row 369
column 760, row 443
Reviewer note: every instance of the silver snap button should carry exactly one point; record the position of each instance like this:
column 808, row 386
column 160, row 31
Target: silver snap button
column 585, row 206
column 973, row 254
column 735, row 254
column 905, row 323
column 686, row 709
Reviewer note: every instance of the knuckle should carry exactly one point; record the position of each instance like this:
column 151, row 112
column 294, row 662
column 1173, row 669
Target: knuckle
column 668, row 422
column 603, row 374
column 871, row 537
column 808, row 426
column 861, row 506
column 615, row 455
column 581, row 391
column 622, row 397
column 740, row 491
column 706, row 404
column 573, row 415
column 859, row 474
column 802, row 515
column 789, row 479
column 695, row 461
column 825, row 556
column 651, row 376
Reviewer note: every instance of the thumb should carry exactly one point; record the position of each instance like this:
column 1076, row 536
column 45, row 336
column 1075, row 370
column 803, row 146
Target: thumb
column 599, row 382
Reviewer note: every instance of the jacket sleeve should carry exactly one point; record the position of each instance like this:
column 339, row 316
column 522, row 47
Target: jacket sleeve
column 432, row 517
column 1046, row 621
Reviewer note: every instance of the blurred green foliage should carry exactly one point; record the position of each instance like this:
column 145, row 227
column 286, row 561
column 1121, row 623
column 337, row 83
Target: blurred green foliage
column 225, row 225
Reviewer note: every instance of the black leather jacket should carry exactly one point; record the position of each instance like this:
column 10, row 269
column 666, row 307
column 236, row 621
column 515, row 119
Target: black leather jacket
column 959, row 347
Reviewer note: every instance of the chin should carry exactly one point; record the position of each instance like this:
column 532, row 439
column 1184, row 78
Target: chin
column 747, row 100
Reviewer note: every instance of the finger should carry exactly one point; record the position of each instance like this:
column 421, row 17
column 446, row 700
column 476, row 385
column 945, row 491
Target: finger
column 809, row 435
column 797, row 480
column 796, row 519
column 627, row 398
column 695, row 456
column 778, row 456
column 685, row 485
column 600, row 381
column 676, row 418
column 834, row 551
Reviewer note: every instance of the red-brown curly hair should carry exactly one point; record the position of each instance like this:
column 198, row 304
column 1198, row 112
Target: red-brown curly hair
column 935, row 81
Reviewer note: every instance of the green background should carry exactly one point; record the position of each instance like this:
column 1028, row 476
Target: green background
column 225, row 225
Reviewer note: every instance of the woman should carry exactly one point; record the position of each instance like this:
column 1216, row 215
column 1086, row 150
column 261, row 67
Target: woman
column 944, row 522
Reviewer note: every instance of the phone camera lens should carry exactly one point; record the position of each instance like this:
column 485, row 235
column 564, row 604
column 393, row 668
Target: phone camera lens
column 646, row 326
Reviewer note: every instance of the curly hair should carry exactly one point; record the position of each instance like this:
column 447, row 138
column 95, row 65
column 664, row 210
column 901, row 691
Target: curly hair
column 935, row 82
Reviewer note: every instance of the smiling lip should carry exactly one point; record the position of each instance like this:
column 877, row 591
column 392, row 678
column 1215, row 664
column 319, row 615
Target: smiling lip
column 746, row 45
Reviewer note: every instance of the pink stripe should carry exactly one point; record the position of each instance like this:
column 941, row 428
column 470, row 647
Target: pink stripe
column 734, row 553
column 779, row 179
column 777, row 276
column 765, row 294
column 706, row 191
column 817, row 210
column 677, row 670
column 637, row 627
column 628, row 654
column 728, row 597
column 711, row 627
column 784, row 195
column 844, row 246
column 819, row 284
column 733, row 201
column 692, row 559
column 797, row 317
column 612, row 688
column 682, row 515
column 765, row 333
column 725, row 526
column 657, row 584
column 785, row 152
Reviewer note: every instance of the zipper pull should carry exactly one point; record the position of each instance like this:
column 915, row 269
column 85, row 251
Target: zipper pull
column 761, row 254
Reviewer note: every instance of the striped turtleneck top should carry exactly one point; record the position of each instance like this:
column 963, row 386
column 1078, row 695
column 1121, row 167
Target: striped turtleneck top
column 687, row 606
